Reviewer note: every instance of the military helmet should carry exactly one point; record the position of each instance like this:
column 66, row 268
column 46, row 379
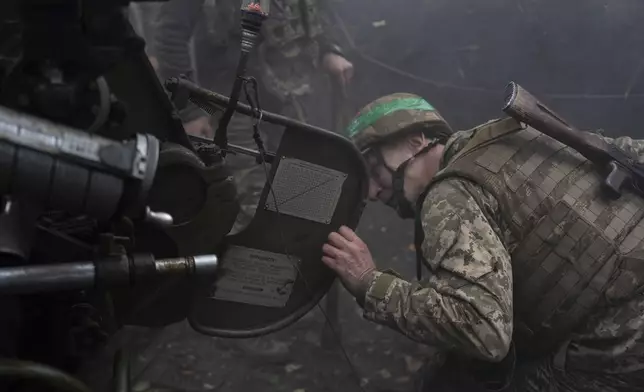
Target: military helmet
column 394, row 115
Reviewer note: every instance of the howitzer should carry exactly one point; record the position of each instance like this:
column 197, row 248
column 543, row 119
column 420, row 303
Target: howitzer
column 90, row 148
column 622, row 168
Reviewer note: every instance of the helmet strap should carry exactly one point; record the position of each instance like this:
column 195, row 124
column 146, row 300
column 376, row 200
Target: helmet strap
column 398, row 201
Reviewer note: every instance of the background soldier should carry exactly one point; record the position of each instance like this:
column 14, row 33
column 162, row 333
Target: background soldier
column 143, row 16
column 294, row 43
column 535, row 276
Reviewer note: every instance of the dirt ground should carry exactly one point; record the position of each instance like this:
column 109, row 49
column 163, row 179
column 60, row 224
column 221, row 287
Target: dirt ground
column 368, row 357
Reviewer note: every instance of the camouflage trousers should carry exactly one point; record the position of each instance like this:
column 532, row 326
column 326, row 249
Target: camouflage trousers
column 143, row 17
column 605, row 355
column 541, row 376
column 250, row 176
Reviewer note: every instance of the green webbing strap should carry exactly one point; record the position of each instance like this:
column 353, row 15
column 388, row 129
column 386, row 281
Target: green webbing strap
column 367, row 119
column 392, row 271
column 381, row 286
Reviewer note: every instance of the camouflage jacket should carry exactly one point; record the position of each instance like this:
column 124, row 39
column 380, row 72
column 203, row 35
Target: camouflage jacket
column 465, row 305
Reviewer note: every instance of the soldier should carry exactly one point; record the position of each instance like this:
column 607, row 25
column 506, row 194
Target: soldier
column 294, row 43
column 534, row 277
column 142, row 17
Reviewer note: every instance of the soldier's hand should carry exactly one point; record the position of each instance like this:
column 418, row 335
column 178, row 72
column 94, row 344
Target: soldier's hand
column 347, row 255
column 338, row 67
column 199, row 127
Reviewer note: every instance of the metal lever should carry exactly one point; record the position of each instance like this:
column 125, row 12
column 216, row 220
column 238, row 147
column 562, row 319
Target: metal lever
column 615, row 180
column 162, row 219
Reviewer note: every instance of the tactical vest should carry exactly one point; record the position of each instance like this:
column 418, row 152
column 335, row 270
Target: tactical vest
column 575, row 249
column 291, row 25
column 291, row 29
column 290, row 22
column 290, row 51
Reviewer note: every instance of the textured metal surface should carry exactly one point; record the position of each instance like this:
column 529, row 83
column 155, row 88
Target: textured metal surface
column 46, row 136
column 306, row 190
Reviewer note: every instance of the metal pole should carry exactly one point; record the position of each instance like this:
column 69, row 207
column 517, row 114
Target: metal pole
column 174, row 85
column 86, row 274
column 40, row 278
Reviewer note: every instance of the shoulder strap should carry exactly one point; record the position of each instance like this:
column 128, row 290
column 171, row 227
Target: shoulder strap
column 419, row 235
column 489, row 133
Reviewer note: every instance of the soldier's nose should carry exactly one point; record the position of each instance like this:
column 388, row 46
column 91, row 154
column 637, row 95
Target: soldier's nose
column 374, row 190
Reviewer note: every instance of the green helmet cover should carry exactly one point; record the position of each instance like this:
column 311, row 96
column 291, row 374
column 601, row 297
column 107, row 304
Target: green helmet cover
column 394, row 115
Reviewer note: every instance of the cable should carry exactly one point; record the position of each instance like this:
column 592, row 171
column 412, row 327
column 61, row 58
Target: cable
column 440, row 84
column 254, row 104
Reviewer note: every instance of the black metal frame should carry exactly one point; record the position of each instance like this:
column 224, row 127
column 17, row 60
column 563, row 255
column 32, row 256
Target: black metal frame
column 204, row 96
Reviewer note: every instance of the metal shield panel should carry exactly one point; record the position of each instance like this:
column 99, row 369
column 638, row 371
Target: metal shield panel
column 272, row 273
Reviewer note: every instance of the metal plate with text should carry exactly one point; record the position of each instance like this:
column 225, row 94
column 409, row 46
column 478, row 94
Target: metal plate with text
column 256, row 277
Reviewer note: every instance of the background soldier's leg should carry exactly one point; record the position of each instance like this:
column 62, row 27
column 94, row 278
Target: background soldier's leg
column 143, row 18
column 249, row 175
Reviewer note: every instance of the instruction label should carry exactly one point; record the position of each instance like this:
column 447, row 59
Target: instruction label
column 256, row 277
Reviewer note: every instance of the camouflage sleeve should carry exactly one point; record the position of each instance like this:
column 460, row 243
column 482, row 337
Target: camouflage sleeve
column 328, row 40
column 175, row 23
column 465, row 305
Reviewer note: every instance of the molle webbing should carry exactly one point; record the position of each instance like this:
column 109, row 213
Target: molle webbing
column 568, row 239
column 292, row 21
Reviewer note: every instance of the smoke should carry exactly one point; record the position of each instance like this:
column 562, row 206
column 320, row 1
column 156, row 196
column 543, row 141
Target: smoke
column 582, row 57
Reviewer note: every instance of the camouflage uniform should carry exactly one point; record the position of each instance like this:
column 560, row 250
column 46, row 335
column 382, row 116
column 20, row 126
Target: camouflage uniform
column 293, row 42
column 529, row 265
column 142, row 16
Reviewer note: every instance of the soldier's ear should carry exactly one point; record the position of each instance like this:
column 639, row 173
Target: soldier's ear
column 416, row 142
